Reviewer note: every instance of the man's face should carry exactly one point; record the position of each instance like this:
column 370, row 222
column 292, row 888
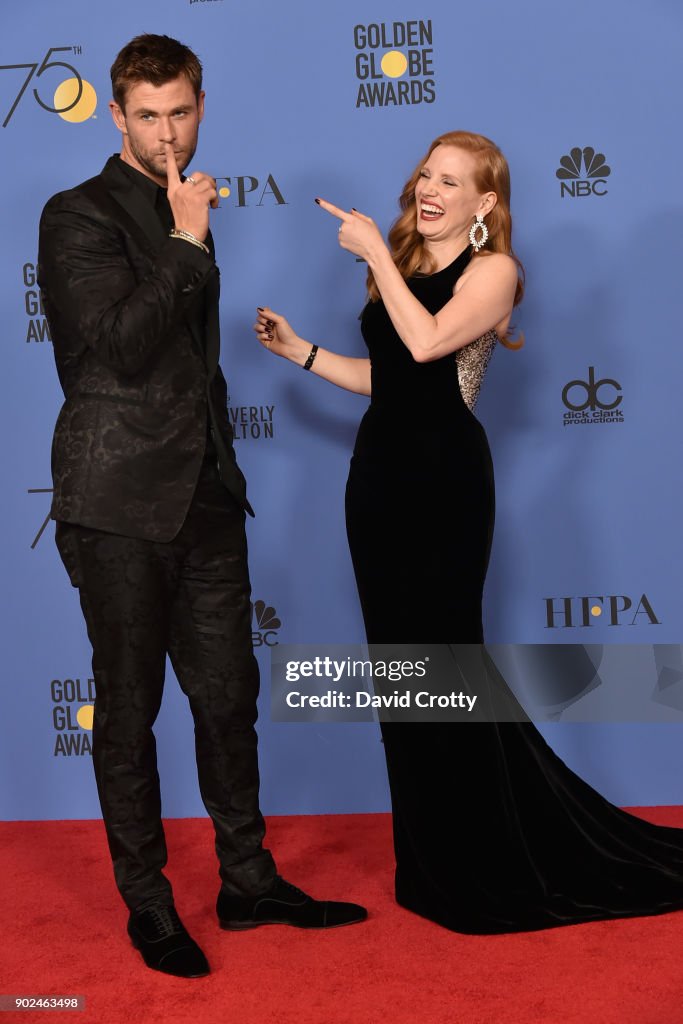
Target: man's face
column 154, row 115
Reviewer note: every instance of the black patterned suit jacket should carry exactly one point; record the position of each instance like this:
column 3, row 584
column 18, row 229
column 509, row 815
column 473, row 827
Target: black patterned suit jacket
column 140, row 382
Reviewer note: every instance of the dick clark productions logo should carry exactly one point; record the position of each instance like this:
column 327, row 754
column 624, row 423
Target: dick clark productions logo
column 592, row 401
column 394, row 63
column 583, row 172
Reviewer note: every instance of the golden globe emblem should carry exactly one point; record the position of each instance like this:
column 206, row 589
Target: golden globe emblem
column 394, row 64
column 84, row 716
column 66, row 93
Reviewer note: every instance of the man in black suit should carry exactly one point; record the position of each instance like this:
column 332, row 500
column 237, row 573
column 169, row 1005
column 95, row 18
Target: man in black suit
column 150, row 503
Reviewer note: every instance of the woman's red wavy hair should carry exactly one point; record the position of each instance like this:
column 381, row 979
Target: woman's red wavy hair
column 406, row 244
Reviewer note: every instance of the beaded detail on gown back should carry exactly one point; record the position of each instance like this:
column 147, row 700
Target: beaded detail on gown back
column 472, row 362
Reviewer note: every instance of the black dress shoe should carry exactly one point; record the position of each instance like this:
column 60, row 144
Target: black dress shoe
column 283, row 903
column 164, row 942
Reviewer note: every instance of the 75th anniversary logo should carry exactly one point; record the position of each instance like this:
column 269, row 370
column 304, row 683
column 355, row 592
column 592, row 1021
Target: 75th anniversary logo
column 72, row 98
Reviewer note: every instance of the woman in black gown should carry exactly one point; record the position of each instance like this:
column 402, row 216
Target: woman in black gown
column 492, row 831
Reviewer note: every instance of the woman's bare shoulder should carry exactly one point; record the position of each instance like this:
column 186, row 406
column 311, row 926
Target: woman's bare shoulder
column 493, row 266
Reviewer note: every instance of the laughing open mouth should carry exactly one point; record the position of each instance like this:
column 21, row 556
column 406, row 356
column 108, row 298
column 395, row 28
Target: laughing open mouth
column 429, row 211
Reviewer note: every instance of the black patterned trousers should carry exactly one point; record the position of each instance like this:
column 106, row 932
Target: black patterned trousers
column 190, row 599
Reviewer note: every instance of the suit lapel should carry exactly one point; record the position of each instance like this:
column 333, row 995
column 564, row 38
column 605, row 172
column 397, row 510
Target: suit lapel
column 142, row 219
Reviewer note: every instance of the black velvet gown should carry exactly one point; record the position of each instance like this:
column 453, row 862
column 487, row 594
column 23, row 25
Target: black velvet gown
column 492, row 831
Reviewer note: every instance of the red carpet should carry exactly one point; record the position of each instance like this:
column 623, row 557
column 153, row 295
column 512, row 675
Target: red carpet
column 63, row 932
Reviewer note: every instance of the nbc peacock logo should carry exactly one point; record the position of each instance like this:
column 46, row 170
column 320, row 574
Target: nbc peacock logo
column 266, row 624
column 583, row 172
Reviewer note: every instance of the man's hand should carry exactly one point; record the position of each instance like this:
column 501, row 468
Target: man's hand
column 190, row 200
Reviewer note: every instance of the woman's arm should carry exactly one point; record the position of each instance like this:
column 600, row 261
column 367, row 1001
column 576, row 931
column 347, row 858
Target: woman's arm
column 483, row 301
column 276, row 334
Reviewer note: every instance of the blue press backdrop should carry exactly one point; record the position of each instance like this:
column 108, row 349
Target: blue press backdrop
column 585, row 510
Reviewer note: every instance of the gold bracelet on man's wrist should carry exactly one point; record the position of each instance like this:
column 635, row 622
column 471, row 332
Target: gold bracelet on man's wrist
column 187, row 236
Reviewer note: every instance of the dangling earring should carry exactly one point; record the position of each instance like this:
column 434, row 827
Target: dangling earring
column 479, row 223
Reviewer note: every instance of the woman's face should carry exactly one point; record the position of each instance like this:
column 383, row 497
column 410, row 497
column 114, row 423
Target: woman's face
column 446, row 198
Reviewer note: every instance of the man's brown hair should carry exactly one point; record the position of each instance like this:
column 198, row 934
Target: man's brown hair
column 154, row 59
